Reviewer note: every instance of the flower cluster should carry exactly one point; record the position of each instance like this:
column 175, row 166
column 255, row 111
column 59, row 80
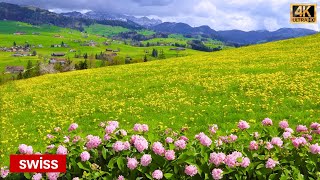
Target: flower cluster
column 174, row 155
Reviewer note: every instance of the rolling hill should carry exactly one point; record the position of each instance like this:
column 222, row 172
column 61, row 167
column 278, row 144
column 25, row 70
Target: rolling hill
column 279, row 80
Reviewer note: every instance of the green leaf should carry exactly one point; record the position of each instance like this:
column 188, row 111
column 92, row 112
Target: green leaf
column 104, row 153
column 27, row 175
column 120, row 162
column 83, row 166
column 168, row 175
column 148, row 176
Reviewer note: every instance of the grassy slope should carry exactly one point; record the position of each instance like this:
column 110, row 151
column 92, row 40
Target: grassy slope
column 277, row 80
column 46, row 38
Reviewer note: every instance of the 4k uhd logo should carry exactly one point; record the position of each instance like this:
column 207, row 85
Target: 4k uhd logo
column 303, row 13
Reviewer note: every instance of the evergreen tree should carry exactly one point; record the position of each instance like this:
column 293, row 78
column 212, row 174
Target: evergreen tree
column 20, row 76
column 145, row 59
column 34, row 53
column 28, row 72
column 85, row 56
column 14, row 43
column 154, row 53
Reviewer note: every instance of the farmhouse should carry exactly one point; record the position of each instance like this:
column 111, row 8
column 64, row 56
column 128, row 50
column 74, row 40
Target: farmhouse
column 21, row 54
column 109, row 50
column 178, row 49
column 61, row 61
column 72, row 50
column 19, row 33
column 14, row 69
column 58, row 54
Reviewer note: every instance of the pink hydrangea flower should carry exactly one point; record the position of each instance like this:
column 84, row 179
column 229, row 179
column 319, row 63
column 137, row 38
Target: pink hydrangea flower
column 23, row 149
column 89, row 137
column 50, row 136
column 191, row 170
column 113, row 123
column 132, row 163
column 301, row 128
column 184, row 138
column 120, row 177
column 85, row 156
column 157, row 174
column 217, row 158
column 66, row 139
column 170, row 155
column 146, row 160
column 213, row 129
column 4, row 172
column 180, row 144
column 53, row 176
column 110, row 129
column 158, row 148
column 140, row 143
column 122, row 132
column 145, row 128
column 37, row 176
column 299, row 141
column 283, row 124
column 267, row 122
column 231, row 160
column 254, row 145
column 243, row 125
column 62, row 150
column 286, row 135
column 76, row 178
column 204, row 139
column 307, row 136
column 269, row 146
column 245, row 162
column 277, row 141
column 233, row 138
column 118, row 146
column 217, row 174
column 107, row 137
column 126, row 145
column 289, row 130
column 315, row 148
column 73, row 127
column 93, row 142
column 137, row 128
column 76, row 139
column 51, row 146
column 270, row 164
column 169, row 140
column 256, row 135
column 315, row 126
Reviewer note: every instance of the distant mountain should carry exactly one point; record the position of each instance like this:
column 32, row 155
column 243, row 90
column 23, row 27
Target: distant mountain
column 143, row 21
column 182, row 28
column 253, row 37
column 37, row 16
column 233, row 36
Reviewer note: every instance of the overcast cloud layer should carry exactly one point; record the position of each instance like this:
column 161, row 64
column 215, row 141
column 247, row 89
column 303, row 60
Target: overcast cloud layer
column 220, row 15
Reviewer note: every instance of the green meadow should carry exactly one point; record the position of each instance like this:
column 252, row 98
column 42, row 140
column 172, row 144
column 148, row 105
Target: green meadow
column 279, row 80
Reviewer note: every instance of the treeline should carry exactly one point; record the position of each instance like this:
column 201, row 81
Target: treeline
column 135, row 36
column 37, row 16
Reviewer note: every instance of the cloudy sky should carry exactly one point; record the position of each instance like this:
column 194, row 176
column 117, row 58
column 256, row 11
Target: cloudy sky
column 219, row 15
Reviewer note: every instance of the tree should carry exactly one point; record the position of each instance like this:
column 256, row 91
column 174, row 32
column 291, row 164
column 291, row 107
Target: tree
column 34, row 53
column 162, row 56
column 14, row 44
column 36, row 70
column 154, row 53
column 20, row 76
column 28, row 72
column 148, row 44
column 145, row 59
column 85, row 56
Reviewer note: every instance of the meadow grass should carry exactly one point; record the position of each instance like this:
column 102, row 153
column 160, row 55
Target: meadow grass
column 70, row 37
column 279, row 80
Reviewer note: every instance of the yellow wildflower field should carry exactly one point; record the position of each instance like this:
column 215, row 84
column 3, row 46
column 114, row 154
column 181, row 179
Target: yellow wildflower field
column 279, row 80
